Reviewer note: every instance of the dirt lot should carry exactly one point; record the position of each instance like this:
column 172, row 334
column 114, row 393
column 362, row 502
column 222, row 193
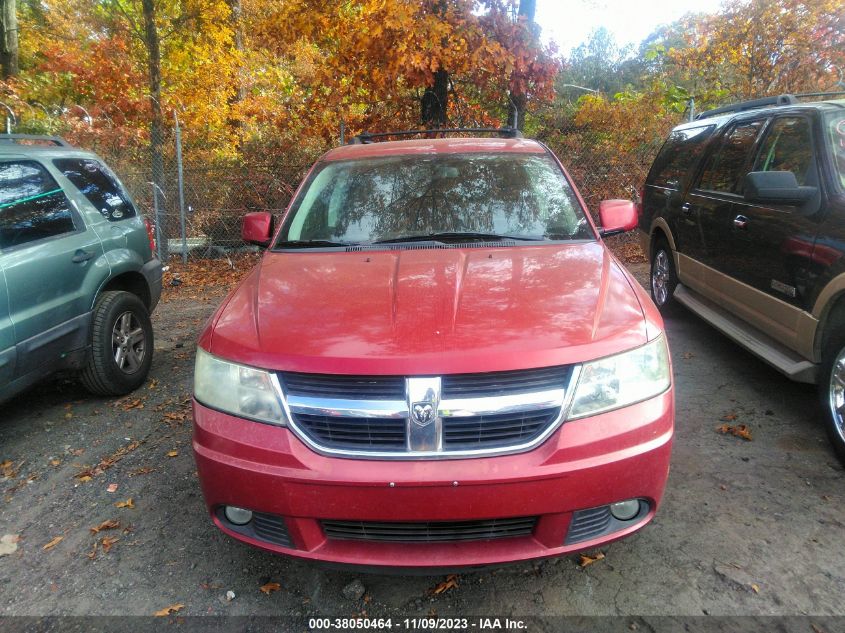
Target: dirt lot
column 747, row 527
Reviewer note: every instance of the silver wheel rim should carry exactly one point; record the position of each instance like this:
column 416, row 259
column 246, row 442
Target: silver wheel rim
column 837, row 394
column 660, row 278
column 129, row 344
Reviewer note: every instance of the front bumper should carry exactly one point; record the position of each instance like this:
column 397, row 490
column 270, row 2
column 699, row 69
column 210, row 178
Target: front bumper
column 587, row 463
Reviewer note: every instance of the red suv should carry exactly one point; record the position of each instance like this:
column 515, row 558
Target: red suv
column 437, row 363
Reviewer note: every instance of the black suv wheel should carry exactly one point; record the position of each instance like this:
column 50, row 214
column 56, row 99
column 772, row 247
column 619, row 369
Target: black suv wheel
column 832, row 392
column 121, row 345
column 663, row 276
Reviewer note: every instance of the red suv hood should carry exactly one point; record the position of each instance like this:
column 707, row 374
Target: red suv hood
column 430, row 311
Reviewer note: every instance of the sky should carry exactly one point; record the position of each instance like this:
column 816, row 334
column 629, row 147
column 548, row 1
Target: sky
column 570, row 22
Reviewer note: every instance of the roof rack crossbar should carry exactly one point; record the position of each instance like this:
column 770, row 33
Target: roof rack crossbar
column 749, row 105
column 369, row 137
column 14, row 138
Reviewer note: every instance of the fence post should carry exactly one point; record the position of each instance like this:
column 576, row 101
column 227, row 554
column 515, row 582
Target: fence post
column 181, row 185
column 162, row 246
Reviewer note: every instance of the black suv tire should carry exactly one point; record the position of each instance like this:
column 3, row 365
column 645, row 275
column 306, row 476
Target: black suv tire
column 121, row 345
column 832, row 392
column 662, row 278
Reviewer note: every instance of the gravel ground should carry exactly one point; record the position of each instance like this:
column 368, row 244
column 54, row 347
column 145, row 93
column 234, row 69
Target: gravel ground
column 746, row 527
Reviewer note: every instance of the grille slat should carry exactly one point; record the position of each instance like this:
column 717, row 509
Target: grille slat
column 504, row 382
column 381, row 433
column 587, row 524
column 430, row 532
column 340, row 386
column 484, row 431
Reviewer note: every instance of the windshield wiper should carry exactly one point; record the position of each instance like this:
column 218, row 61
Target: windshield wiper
column 310, row 244
column 459, row 236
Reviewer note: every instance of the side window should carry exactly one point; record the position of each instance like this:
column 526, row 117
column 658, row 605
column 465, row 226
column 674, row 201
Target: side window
column 32, row 205
column 788, row 147
column 679, row 154
column 726, row 167
column 98, row 185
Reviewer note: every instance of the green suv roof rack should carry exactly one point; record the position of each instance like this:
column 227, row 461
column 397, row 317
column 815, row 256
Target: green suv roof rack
column 368, row 137
column 35, row 138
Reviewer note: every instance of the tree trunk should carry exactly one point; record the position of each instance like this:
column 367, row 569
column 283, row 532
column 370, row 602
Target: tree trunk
column 518, row 100
column 435, row 101
column 9, row 38
column 153, row 46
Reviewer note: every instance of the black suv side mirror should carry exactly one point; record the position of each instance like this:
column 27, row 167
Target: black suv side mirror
column 776, row 187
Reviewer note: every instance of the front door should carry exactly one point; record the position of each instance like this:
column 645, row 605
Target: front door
column 49, row 260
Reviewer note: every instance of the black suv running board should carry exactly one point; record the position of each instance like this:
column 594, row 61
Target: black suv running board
column 764, row 347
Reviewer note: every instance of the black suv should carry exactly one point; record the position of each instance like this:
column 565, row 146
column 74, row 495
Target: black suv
column 743, row 219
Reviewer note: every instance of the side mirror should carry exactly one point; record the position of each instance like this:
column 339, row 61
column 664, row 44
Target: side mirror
column 779, row 187
column 257, row 228
column 617, row 216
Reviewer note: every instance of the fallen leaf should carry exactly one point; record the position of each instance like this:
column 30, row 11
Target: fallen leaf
column 133, row 404
column 755, row 587
column 112, row 488
column 68, row 416
column 55, row 462
column 740, row 430
column 173, row 453
column 53, row 543
column 817, row 629
column 9, row 544
column 93, row 553
column 589, row 560
column 107, row 542
column 125, row 504
column 77, row 451
column 9, row 470
column 730, row 417
column 450, row 583
column 173, row 608
column 270, row 587
column 85, row 478
column 111, row 524
column 144, row 470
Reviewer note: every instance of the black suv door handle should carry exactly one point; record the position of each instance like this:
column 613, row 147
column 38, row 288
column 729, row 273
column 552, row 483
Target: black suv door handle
column 686, row 208
column 741, row 222
column 81, row 255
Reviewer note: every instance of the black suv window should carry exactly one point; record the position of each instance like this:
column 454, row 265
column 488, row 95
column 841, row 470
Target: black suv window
column 98, row 185
column 788, row 147
column 726, row 166
column 680, row 152
column 32, row 205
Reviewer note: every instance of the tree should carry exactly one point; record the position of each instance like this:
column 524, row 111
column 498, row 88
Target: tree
column 9, row 38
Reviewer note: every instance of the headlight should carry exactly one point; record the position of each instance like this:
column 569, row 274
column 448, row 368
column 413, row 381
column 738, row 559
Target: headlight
column 242, row 391
column 617, row 381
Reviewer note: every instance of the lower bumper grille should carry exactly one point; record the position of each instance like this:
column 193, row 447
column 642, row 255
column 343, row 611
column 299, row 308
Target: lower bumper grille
column 430, row 532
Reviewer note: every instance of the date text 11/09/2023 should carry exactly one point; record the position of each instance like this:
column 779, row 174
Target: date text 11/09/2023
column 417, row 624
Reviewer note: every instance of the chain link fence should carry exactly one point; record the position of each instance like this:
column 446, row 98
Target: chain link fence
column 198, row 203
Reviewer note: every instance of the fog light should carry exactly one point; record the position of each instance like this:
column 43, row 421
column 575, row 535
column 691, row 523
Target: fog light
column 238, row 516
column 625, row 510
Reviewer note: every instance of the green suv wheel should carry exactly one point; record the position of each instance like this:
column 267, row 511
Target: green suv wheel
column 121, row 345
column 832, row 392
column 663, row 277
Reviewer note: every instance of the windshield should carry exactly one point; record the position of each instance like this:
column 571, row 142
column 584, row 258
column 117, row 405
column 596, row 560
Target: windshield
column 520, row 196
column 835, row 124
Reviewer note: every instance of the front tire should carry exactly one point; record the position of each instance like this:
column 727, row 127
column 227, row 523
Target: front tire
column 121, row 345
column 832, row 392
column 663, row 278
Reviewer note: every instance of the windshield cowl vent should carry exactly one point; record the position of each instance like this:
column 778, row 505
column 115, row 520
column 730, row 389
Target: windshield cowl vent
column 428, row 246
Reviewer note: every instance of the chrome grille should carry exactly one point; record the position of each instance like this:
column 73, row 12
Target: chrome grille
column 430, row 531
column 400, row 417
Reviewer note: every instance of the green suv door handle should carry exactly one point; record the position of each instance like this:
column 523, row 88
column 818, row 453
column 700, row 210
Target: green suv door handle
column 81, row 255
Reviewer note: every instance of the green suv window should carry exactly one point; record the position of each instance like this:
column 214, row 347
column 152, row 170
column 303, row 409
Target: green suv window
column 32, row 205
column 98, row 186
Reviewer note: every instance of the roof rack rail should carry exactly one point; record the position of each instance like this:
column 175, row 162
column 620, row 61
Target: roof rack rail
column 749, row 105
column 821, row 94
column 17, row 138
column 368, row 137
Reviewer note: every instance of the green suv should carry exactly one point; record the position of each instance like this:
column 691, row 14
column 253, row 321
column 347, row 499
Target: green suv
column 78, row 271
